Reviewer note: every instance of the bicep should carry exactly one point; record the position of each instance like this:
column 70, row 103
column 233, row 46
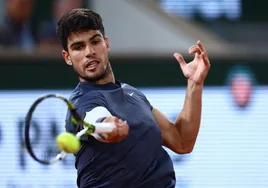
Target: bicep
column 170, row 135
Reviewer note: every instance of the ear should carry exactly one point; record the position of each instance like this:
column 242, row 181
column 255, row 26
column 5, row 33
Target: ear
column 66, row 57
column 107, row 43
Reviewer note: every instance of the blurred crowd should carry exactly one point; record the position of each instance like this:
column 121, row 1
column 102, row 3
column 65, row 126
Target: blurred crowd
column 30, row 25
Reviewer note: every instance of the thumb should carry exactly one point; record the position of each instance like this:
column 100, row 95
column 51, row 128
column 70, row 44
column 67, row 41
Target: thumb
column 180, row 59
column 118, row 122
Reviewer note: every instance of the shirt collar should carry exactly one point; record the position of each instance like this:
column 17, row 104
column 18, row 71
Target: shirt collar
column 108, row 86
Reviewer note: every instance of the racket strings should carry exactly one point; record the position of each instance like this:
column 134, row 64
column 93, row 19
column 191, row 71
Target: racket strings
column 48, row 120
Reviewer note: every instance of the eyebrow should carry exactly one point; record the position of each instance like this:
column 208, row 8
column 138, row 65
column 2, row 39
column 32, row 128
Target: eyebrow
column 94, row 36
column 81, row 42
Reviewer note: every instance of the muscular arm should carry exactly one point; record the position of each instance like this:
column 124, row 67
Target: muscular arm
column 181, row 135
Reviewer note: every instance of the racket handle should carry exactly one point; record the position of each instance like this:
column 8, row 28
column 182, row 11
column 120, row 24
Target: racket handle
column 104, row 127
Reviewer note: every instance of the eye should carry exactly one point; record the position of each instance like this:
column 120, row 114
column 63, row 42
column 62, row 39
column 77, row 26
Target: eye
column 78, row 47
column 95, row 42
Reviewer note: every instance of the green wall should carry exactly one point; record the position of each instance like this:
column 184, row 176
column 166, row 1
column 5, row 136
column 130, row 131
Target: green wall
column 53, row 73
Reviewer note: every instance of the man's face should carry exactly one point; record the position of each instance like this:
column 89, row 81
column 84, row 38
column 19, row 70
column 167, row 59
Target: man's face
column 88, row 54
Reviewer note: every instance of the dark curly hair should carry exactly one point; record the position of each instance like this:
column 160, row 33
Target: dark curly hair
column 78, row 20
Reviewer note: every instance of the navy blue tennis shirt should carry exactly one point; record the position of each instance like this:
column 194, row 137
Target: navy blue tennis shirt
column 139, row 160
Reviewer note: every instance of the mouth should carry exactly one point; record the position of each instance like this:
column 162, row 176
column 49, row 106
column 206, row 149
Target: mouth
column 92, row 65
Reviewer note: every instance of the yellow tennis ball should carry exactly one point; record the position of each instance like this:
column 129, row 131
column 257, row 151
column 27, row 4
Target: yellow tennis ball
column 67, row 142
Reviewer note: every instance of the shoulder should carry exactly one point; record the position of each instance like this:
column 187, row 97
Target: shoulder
column 133, row 91
column 128, row 88
column 87, row 100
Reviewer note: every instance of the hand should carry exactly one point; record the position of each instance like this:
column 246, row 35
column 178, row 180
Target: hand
column 197, row 69
column 118, row 133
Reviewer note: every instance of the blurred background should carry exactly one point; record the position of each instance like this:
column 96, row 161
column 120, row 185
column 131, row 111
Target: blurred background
column 232, row 146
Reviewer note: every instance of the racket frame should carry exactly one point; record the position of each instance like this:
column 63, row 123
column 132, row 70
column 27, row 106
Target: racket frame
column 76, row 119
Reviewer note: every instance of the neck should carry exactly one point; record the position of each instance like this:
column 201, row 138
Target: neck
column 108, row 79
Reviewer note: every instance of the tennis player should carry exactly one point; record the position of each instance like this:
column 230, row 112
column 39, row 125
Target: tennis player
column 132, row 155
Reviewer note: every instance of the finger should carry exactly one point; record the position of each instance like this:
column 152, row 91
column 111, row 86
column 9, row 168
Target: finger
column 180, row 59
column 205, row 58
column 116, row 120
column 120, row 128
column 195, row 49
column 125, row 128
column 113, row 133
column 192, row 47
column 121, row 132
column 201, row 46
column 119, row 123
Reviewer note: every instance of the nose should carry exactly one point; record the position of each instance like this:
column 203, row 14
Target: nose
column 90, row 51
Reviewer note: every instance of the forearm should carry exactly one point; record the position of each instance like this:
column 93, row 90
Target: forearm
column 188, row 122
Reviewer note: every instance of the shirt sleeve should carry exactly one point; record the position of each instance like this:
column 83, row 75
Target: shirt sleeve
column 97, row 114
column 144, row 98
column 139, row 94
column 91, row 104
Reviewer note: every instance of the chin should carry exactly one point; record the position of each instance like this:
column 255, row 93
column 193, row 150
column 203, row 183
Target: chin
column 93, row 78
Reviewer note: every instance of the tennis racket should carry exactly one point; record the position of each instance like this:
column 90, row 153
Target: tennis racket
column 42, row 125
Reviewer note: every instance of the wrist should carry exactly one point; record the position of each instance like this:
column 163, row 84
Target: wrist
column 193, row 84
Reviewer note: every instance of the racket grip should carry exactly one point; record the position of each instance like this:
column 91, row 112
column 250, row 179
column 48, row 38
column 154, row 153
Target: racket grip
column 104, row 127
